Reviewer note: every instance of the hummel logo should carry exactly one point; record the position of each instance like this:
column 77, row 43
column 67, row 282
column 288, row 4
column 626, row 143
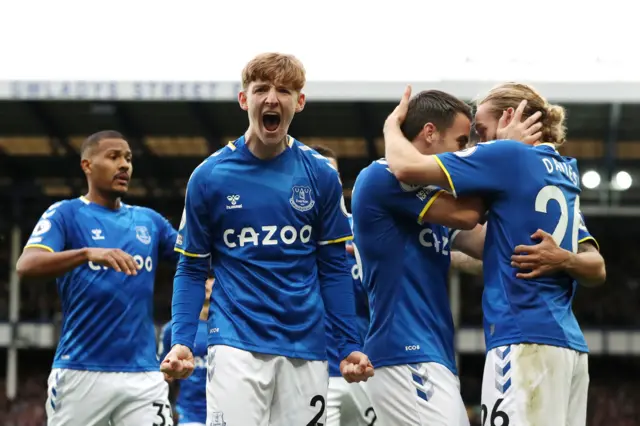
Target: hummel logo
column 97, row 234
column 233, row 199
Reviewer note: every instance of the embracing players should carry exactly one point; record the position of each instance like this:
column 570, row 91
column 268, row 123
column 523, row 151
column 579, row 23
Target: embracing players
column 536, row 366
column 104, row 255
column 405, row 252
column 267, row 214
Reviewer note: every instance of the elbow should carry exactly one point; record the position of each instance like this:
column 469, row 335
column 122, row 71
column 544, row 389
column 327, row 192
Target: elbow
column 601, row 277
column 597, row 279
column 465, row 220
column 23, row 268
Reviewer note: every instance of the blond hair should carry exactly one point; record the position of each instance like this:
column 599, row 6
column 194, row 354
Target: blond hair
column 276, row 68
column 509, row 95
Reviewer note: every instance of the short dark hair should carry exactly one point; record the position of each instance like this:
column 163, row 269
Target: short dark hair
column 93, row 140
column 432, row 106
column 324, row 151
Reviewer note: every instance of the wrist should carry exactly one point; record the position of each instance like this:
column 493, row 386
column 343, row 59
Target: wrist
column 183, row 344
column 84, row 253
column 569, row 260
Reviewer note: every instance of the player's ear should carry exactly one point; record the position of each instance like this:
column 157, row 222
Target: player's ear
column 510, row 112
column 85, row 164
column 302, row 99
column 242, row 100
column 428, row 132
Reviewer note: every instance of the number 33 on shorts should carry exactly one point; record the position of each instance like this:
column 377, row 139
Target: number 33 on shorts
column 164, row 415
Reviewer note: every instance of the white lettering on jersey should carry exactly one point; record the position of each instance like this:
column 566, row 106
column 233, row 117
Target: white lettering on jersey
column 287, row 235
column 439, row 246
column 143, row 263
column 553, row 165
column 412, row 348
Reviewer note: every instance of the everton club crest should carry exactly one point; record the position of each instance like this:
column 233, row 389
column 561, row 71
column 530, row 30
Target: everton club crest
column 302, row 198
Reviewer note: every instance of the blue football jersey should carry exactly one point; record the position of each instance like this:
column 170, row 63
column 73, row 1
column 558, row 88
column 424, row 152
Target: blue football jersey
column 526, row 188
column 405, row 265
column 107, row 316
column 262, row 221
column 192, row 396
column 362, row 310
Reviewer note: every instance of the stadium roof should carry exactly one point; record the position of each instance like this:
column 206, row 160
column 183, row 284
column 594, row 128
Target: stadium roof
column 39, row 141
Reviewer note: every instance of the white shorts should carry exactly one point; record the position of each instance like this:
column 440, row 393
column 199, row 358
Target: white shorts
column 191, row 424
column 535, row 385
column 426, row 394
column 348, row 404
column 93, row 398
column 251, row 389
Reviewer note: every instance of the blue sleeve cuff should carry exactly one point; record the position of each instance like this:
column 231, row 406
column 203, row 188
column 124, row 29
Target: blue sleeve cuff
column 347, row 349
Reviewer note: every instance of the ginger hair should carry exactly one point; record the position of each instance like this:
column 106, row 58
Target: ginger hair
column 509, row 95
column 276, row 68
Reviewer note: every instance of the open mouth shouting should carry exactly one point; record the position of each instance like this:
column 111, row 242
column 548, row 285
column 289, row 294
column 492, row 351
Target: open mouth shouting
column 271, row 121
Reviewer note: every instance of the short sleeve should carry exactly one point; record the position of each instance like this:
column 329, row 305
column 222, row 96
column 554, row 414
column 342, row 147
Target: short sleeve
column 409, row 200
column 168, row 237
column 193, row 239
column 50, row 232
column 334, row 222
column 486, row 167
column 584, row 235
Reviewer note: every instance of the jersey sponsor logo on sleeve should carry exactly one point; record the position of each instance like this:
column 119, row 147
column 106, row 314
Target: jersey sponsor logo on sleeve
column 409, row 188
column 42, row 227
column 183, row 220
column 143, row 235
column 302, row 198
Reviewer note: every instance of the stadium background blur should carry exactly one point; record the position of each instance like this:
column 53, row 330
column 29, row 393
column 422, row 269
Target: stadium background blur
column 172, row 127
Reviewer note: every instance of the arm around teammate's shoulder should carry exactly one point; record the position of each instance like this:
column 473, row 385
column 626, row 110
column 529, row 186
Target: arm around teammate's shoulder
column 459, row 213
